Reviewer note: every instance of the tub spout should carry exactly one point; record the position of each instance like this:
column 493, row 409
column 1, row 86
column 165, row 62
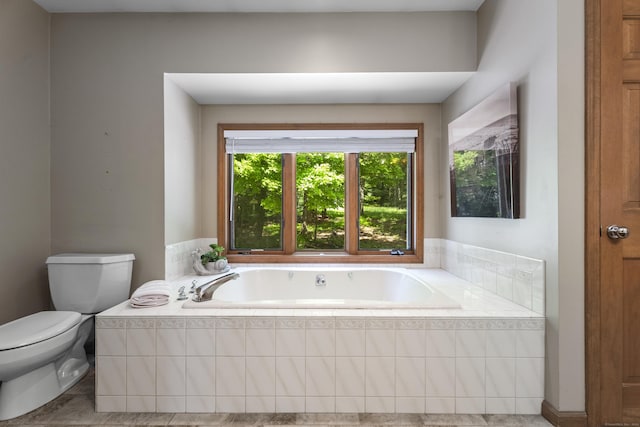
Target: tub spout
column 205, row 292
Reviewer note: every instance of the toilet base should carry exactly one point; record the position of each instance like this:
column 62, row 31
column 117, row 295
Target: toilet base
column 40, row 386
column 34, row 389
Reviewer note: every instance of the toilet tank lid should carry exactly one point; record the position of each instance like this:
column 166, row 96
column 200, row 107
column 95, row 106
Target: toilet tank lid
column 36, row 327
column 82, row 258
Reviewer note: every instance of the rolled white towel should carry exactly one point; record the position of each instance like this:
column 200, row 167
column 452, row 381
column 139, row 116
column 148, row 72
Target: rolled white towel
column 151, row 294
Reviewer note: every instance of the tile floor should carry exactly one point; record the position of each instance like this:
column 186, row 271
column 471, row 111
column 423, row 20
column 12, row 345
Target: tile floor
column 76, row 408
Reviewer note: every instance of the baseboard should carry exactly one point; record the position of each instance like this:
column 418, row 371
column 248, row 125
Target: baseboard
column 563, row 418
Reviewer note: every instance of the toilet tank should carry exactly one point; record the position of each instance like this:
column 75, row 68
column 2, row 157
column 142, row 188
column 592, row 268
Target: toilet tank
column 89, row 283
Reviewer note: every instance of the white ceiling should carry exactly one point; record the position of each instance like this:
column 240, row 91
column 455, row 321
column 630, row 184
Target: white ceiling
column 320, row 88
column 71, row 6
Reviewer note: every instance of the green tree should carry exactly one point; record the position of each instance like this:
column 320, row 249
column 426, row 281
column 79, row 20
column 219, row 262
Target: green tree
column 383, row 179
column 257, row 186
column 319, row 187
column 476, row 183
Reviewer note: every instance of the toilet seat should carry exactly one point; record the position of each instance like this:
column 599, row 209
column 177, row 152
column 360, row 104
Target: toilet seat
column 36, row 328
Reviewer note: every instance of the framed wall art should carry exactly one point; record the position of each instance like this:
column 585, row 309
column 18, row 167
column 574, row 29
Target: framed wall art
column 484, row 161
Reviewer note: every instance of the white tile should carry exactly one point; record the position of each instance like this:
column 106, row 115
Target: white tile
column 230, row 377
column 141, row 404
column 350, row 376
column 290, row 404
column 230, row 404
column 441, row 377
column 500, row 405
column 170, row 404
column 505, row 286
column 171, row 377
column 261, row 342
column 350, row 342
column 320, row 342
column 440, row 405
column 489, row 277
column 500, row 377
column 501, row 343
column 201, row 404
column 111, row 376
column 530, row 343
column 528, row 264
column 410, row 343
column 261, row 376
column 321, row 376
column 410, row 405
column 410, row 377
column 261, row 404
column 141, row 376
column 470, row 343
column 200, row 342
column 380, row 342
column 349, row 404
column 290, row 376
column 111, row 342
column 375, row 404
column 230, row 342
column 318, row 404
column 523, row 289
column 111, row 404
column 290, row 342
column 530, row 377
column 470, row 405
column 200, row 376
column 141, row 342
column 440, row 343
column 470, row 379
column 379, row 376
column 170, row 342
column 538, row 305
column 529, row 406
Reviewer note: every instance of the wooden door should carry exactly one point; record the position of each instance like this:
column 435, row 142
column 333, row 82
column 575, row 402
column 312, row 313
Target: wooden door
column 613, row 293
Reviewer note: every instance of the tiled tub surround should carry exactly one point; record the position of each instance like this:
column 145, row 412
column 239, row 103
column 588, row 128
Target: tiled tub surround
column 177, row 256
column 517, row 278
column 487, row 357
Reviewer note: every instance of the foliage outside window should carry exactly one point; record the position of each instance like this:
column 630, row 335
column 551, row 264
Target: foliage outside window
column 323, row 206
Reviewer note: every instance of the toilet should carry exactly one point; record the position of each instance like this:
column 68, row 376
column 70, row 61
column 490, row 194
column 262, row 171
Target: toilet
column 42, row 355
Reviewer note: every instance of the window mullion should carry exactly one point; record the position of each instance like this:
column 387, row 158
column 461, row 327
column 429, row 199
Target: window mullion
column 352, row 204
column 289, row 204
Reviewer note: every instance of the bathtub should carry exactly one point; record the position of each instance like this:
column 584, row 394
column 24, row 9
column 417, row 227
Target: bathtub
column 485, row 357
column 380, row 288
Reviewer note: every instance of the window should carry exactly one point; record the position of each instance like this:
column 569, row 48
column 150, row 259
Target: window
column 320, row 193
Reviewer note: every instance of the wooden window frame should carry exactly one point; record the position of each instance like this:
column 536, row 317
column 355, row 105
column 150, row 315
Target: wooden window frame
column 351, row 253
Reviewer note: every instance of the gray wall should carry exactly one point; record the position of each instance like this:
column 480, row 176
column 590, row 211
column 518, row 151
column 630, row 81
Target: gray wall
column 108, row 144
column 24, row 158
column 107, row 99
column 182, row 173
column 519, row 40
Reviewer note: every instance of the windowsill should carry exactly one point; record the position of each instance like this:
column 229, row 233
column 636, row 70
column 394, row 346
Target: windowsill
column 327, row 258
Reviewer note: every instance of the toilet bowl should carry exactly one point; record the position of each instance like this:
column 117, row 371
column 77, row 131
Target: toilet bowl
column 42, row 355
column 37, row 360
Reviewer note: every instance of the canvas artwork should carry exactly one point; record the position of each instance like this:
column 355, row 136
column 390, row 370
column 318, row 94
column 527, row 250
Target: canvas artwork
column 484, row 158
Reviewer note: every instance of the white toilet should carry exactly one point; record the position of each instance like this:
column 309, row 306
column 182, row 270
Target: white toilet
column 42, row 355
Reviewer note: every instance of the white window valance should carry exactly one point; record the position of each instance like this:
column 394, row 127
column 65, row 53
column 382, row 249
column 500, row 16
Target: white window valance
column 321, row 141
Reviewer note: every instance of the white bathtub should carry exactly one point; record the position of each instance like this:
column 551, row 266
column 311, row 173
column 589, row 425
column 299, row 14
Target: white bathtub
column 344, row 288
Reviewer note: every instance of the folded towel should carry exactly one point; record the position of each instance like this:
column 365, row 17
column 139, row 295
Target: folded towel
column 151, row 294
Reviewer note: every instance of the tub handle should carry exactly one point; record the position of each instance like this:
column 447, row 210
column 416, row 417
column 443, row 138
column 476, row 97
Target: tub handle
column 321, row 280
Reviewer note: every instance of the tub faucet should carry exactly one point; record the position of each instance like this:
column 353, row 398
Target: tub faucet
column 205, row 291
